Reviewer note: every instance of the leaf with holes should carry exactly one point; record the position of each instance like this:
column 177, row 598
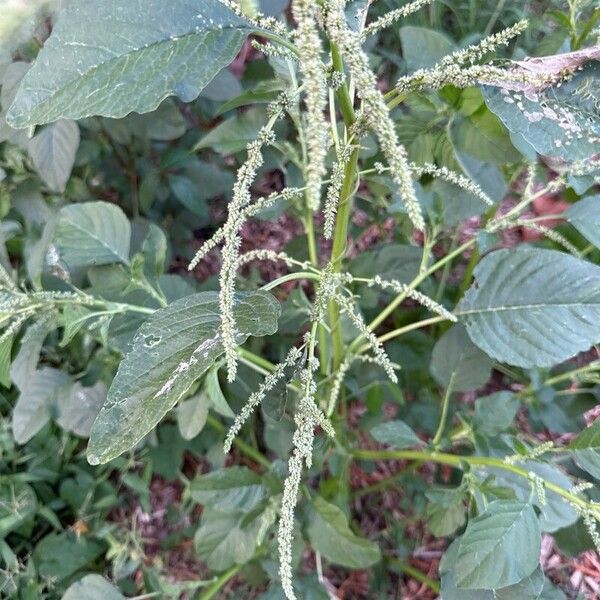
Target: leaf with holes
column 170, row 351
column 531, row 307
column 128, row 60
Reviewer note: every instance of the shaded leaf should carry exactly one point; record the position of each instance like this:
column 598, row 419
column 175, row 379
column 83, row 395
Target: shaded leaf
column 585, row 217
column 500, row 547
column 422, row 47
column 457, row 362
column 18, row 504
column 92, row 587
column 396, row 434
column 53, row 150
column 495, row 413
column 235, row 488
column 330, row 535
column 192, row 414
column 92, row 234
column 586, row 448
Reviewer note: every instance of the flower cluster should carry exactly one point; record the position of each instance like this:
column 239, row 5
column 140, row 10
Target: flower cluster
column 375, row 107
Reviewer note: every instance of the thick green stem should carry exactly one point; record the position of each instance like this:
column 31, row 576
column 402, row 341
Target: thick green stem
column 340, row 237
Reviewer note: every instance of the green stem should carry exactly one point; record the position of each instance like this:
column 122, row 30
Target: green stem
column 415, row 574
column 458, row 461
column 213, row 589
column 290, row 277
column 444, row 416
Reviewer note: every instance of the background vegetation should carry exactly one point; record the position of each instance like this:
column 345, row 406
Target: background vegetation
column 151, row 523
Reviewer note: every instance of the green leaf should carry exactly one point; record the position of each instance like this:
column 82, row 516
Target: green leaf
column 185, row 190
column 586, row 448
column 225, row 539
column 170, row 351
column 111, row 58
column 422, row 47
column 562, row 122
column 234, row 134
column 18, row 504
column 397, row 434
column 38, row 401
column 585, row 217
column 192, row 414
column 500, row 547
column 529, row 588
column 457, row 362
column 531, row 307
column 92, row 587
column 92, row 234
column 53, row 150
column 495, row 413
column 330, row 535
column 236, row 488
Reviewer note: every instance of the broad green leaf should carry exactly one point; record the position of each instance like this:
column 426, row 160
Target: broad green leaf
column 458, row 363
column 531, row 307
column 396, row 434
column 192, row 414
column 529, row 588
column 235, row 488
column 422, row 47
column 111, row 58
column 224, row 86
column 495, row 413
column 18, row 504
column 561, row 121
column 170, row 351
column 585, row 217
column 586, row 448
column 38, row 401
column 92, row 234
column 92, row 587
column 330, row 535
column 500, row 547
column 225, row 539
column 53, row 150
column 555, row 513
